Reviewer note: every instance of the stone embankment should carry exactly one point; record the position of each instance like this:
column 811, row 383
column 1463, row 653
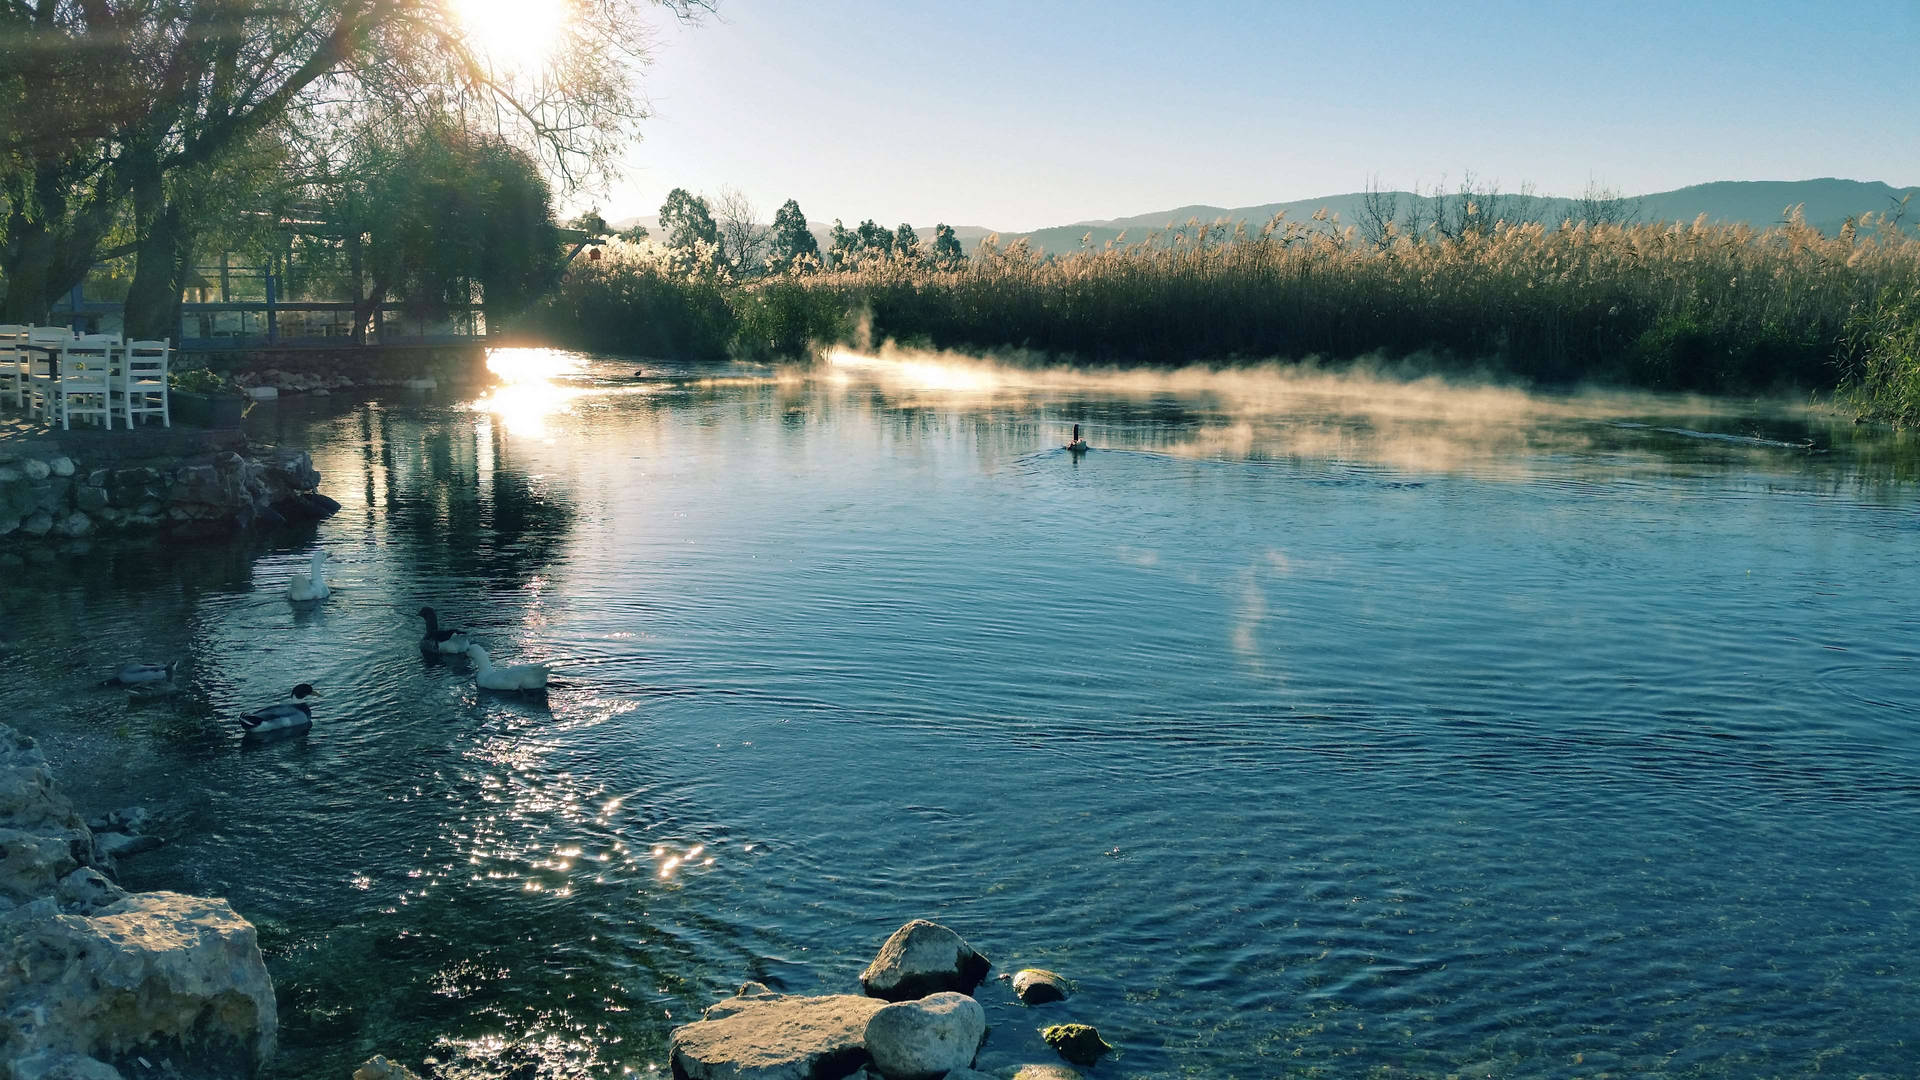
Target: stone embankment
column 100, row 984
column 323, row 371
column 181, row 486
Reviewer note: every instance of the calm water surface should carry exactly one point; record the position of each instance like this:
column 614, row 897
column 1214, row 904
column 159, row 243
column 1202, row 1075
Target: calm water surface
column 1312, row 726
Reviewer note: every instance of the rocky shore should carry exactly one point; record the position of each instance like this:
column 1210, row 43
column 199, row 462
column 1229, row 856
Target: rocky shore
column 100, row 984
column 915, row 1019
column 346, row 369
column 182, row 486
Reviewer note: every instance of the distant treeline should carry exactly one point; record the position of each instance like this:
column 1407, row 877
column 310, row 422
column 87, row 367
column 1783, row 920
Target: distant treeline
column 1709, row 308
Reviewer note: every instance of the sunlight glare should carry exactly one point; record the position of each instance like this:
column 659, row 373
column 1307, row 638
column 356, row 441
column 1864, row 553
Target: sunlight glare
column 517, row 34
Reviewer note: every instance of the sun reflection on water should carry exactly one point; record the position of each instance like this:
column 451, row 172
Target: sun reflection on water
column 530, row 390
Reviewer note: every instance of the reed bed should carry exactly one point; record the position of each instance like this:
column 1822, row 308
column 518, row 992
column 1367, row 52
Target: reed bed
column 1700, row 307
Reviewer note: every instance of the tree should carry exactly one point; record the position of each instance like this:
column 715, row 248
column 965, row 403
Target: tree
column 591, row 223
column 452, row 214
column 946, row 248
column 871, row 239
column 745, row 240
column 792, row 243
column 688, row 223
column 840, row 250
column 634, row 233
column 906, row 243
column 1602, row 205
column 1378, row 212
column 117, row 111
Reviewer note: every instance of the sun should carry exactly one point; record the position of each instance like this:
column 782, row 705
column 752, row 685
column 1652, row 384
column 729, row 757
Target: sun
column 517, row 34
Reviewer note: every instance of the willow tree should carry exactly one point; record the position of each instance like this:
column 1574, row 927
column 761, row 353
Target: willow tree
column 121, row 109
column 456, row 212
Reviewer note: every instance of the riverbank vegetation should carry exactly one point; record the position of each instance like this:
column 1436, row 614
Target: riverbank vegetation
column 1685, row 306
column 402, row 148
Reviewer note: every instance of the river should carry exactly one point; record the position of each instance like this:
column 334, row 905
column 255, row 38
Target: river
column 1312, row 723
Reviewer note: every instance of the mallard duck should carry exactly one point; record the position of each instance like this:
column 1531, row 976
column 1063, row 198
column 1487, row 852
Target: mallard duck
column 449, row 641
column 142, row 674
column 311, row 585
column 1078, row 445
column 517, row 677
column 287, row 716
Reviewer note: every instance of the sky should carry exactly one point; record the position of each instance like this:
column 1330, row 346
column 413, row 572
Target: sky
column 1020, row 115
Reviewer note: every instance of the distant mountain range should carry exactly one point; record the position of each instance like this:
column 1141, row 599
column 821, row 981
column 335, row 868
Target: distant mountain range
column 1827, row 203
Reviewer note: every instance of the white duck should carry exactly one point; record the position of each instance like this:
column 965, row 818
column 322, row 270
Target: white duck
column 445, row 640
column 287, row 716
column 311, row 585
column 131, row 675
column 517, row 677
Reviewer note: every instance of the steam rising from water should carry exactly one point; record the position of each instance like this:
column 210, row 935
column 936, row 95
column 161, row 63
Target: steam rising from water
column 1386, row 414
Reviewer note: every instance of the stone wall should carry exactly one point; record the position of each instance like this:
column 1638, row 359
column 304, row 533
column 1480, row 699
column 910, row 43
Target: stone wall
column 46, row 492
column 100, row 984
column 330, row 370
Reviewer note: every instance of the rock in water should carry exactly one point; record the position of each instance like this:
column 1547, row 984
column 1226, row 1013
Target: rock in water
column 1037, row 986
column 928, row 1038
column 761, row 1035
column 923, row 958
column 379, row 1068
column 1078, row 1043
column 1039, row 1072
column 159, row 975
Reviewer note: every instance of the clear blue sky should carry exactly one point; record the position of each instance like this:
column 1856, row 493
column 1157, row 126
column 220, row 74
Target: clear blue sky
column 1016, row 115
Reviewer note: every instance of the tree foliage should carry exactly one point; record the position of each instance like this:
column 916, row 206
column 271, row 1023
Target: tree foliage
column 119, row 111
column 455, row 213
column 947, row 254
column 688, row 225
column 792, row 244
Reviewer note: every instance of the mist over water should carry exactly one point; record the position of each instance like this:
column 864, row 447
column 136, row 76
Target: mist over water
column 1314, row 721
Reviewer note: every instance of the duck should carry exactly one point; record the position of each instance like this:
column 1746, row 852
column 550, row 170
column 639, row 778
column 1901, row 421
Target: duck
column 448, row 641
column 131, row 675
column 1078, row 445
column 311, row 585
column 517, row 677
column 286, row 716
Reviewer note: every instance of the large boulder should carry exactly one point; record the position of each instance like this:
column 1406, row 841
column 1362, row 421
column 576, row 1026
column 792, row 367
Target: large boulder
column 928, row 1038
column 760, row 1035
column 157, row 975
column 1078, row 1043
column 42, row 839
column 923, row 958
column 52, row 1065
column 1037, row 986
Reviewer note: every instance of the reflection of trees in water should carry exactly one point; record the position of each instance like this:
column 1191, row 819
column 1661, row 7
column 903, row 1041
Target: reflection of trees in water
column 455, row 500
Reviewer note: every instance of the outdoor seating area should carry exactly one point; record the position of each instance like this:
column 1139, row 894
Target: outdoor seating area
column 55, row 377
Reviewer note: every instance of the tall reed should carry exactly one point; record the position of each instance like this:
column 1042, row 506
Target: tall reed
column 1703, row 307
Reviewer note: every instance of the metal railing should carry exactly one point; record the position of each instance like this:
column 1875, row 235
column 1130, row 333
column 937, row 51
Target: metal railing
column 243, row 324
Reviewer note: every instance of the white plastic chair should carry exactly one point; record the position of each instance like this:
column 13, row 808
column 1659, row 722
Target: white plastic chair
column 86, row 373
column 13, row 364
column 142, row 381
column 43, row 388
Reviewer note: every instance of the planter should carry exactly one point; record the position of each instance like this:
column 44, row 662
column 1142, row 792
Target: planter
column 207, row 410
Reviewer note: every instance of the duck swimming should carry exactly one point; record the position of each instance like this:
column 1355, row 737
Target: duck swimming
column 287, row 716
column 311, row 585
column 1078, row 445
column 448, row 641
column 517, row 677
column 142, row 674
